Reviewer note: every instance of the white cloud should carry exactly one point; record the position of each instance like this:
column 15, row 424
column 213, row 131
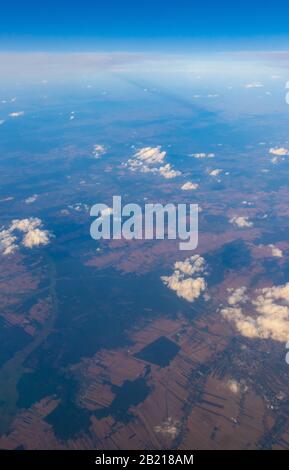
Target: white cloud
column 281, row 151
column 150, row 160
column 237, row 296
column 31, row 199
column 215, row 172
column 98, row 150
column 33, row 235
column 254, row 85
column 193, row 265
column 150, row 155
column 36, row 237
column 269, row 314
column 79, row 207
column 241, row 222
column 202, row 155
column 182, row 280
column 25, row 225
column 274, row 160
column 189, row 289
column 7, row 242
column 169, row 427
column 168, row 172
column 6, row 199
column 236, row 386
column 233, row 386
column 189, row 186
column 276, row 252
column 16, row 114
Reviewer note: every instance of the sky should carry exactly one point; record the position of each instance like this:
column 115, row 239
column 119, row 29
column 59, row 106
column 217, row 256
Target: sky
column 140, row 25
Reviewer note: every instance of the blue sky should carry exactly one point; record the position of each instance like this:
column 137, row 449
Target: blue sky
column 127, row 24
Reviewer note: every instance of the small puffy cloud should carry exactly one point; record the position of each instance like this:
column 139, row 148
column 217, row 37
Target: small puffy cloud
column 215, row 172
column 2, row 121
column 16, row 114
column 189, row 289
column 254, row 85
column 7, row 199
column 79, row 207
column 241, row 221
column 32, row 232
column 237, row 296
column 36, row 237
column 202, row 155
column 237, row 387
column 150, row 155
column 185, row 280
column 188, row 186
column 280, row 151
column 25, row 225
column 274, row 160
column 193, row 265
column 276, row 252
column 267, row 317
column 169, row 428
column 98, row 150
column 151, row 160
column 31, row 199
column 7, row 242
column 168, row 172
column 233, row 386
column 235, row 315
